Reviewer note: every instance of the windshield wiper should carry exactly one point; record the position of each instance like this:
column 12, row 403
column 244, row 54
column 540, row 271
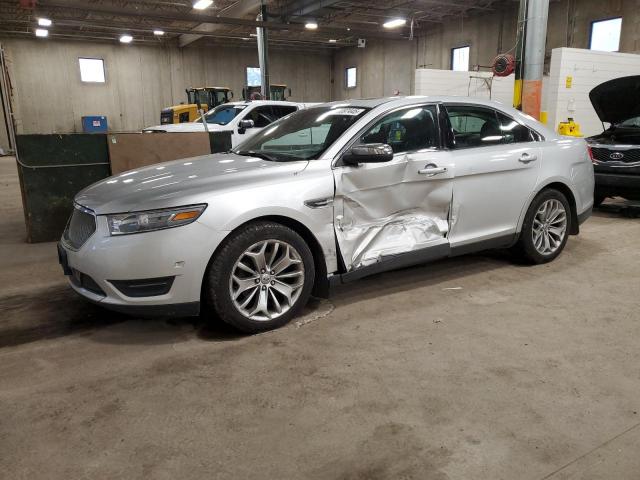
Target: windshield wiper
column 262, row 155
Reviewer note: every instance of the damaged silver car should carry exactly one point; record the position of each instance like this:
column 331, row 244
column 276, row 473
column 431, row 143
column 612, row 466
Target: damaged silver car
column 326, row 195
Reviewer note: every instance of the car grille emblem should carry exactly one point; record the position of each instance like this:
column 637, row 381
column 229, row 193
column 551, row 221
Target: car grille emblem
column 616, row 156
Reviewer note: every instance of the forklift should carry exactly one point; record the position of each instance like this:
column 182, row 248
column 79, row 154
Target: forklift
column 203, row 97
column 277, row 92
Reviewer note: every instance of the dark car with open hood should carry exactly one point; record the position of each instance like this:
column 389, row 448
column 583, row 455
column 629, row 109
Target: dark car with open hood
column 616, row 151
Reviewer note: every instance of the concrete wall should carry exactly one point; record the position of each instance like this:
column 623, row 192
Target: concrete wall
column 471, row 84
column 140, row 80
column 383, row 64
column 383, row 67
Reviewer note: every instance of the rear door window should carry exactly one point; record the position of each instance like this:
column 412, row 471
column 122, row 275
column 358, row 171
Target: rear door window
column 474, row 126
column 512, row 131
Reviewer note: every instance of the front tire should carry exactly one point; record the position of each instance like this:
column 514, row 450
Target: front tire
column 261, row 277
column 546, row 227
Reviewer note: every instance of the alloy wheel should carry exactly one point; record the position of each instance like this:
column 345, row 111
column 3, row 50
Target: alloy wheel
column 267, row 280
column 549, row 227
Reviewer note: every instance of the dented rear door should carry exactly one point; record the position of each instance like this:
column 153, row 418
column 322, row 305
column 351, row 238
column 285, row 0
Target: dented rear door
column 401, row 206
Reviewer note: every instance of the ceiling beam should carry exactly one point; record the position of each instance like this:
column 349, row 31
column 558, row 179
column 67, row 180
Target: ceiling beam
column 238, row 9
column 300, row 8
column 147, row 14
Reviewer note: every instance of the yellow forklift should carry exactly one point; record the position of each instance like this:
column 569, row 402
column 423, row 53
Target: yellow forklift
column 277, row 92
column 205, row 97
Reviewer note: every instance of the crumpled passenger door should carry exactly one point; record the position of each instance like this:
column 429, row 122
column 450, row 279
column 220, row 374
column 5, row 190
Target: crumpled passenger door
column 391, row 208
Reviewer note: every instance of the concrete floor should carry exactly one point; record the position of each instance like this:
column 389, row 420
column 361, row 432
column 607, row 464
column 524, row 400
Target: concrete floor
column 468, row 368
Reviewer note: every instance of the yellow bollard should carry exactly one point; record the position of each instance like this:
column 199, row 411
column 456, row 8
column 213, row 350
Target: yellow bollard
column 544, row 117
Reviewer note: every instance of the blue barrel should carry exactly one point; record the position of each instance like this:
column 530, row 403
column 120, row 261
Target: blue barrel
column 94, row 124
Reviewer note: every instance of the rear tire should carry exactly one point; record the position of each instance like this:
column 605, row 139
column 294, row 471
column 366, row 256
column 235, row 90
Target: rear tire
column 261, row 277
column 546, row 228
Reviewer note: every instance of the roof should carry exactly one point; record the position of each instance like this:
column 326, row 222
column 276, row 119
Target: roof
column 399, row 101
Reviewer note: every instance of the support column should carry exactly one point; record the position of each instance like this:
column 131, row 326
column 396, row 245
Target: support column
column 263, row 54
column 536, row 40
column 519, row 54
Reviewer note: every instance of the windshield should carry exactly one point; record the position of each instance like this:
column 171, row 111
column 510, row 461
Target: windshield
column 304, row 135
column 222, row 114
column 633, row 122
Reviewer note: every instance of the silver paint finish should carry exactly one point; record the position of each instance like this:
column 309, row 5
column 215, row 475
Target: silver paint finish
column 377, row 210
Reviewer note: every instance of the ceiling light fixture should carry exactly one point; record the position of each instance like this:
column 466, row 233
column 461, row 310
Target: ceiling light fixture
column 44, row 22
column 158, row 32
column 332, row 40
column 311, row 25
column 126, row 39
column 202, row 4
column 396, row 22
column 42, row 32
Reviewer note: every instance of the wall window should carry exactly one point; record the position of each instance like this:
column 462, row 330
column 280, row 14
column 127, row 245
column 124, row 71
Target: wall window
column 351, row 77
column 460, row 59
column 605, row 35
column 92, row 70
column 254, row 78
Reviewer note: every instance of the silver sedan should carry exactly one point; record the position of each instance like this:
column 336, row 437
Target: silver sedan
column 326, row 195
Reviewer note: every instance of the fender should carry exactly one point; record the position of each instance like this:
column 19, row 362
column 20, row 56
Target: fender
column 557, row 180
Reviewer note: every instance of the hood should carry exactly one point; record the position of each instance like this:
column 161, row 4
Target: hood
column 617, row 100
column 187, row 127
column 182, row 182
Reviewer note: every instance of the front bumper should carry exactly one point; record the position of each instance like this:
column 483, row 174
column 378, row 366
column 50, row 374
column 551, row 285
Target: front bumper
column 614, row 184
column 179, row 256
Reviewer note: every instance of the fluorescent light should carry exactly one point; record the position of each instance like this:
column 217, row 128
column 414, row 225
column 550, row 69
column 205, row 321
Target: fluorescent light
column 396, row 22
column 311, row 25
column 126, row 39
column 202, row 4
column 158, row 32
column 44, row 22
column 42, row 32
column 332, row 40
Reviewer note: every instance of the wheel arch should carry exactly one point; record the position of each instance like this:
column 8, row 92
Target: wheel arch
column 565, row 189
column 320, row 282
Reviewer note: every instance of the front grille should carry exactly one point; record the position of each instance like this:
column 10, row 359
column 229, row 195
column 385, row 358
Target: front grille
column 81, row 226
column 628, row 156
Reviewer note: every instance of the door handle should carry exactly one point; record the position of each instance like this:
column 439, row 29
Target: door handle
column 526, row 158
column 432, row 170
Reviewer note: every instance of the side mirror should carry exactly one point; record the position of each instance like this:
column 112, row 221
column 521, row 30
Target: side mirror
column 244, row 124
column 368, row 153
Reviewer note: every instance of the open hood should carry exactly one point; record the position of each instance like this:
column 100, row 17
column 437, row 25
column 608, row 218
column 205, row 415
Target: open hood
column 617, row 100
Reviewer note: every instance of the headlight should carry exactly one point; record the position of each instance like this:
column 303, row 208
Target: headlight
column 147, row 221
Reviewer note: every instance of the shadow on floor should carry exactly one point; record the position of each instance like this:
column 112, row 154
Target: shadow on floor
column 59, row 312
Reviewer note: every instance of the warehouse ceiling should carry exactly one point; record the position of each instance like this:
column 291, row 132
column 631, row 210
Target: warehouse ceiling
column 233, row 22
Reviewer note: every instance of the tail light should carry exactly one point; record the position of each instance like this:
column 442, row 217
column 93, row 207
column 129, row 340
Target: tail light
column 590, row 152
